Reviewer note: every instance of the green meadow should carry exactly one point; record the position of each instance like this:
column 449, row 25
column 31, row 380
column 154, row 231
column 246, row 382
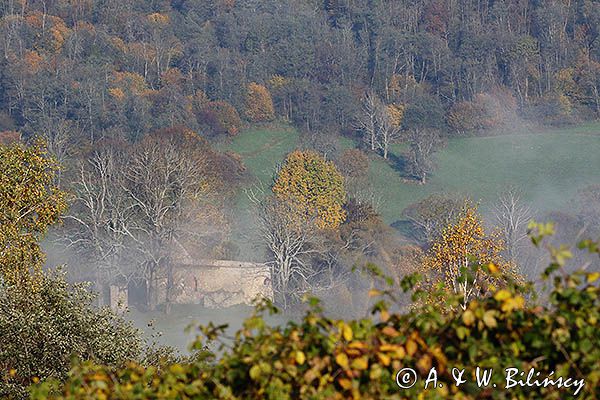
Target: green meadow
column 548, row 167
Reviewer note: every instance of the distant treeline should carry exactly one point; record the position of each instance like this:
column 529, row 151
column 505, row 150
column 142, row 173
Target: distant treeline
column 87, row 69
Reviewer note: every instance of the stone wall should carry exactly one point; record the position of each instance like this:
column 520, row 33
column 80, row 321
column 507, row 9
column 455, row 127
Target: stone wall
column 219, row 283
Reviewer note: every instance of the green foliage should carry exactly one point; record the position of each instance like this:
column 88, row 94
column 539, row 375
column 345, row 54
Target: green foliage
column 42, row 332
column 319, row 357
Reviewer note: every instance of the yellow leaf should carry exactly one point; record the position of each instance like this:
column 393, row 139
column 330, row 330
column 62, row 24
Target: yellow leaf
column 424, row 363
column 346, row 332
column 345, row 383
column 255, row 372
column 384, row 359
column 593, row 277
column 513, row 304
column 361, row 363
column 411, row 347
column 493, row 268
column 375, row 373
column 342, row 360
column 385, row 316
column 502, row 295
column 374, row 293
column 390, row 331
column 489, row 319
column 300, row 357
column 358, row 345
column 468, row 318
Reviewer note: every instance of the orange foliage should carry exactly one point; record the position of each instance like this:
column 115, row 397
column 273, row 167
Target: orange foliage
column 117, row 93
column 34, row 61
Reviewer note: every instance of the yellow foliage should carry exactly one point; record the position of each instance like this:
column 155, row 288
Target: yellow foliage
column 457, row 258
column 396, row 113
column 158, row 19
column 259, row 104
column 342, row 360
column 29, row 203
column 314, row 187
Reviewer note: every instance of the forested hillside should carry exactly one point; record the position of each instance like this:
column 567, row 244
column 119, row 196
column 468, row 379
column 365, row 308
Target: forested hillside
column 79, row 71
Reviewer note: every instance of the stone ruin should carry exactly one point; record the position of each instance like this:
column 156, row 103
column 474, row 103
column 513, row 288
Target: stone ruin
column 221, row 283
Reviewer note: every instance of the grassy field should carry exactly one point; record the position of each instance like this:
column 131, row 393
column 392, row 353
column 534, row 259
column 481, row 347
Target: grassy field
column 548, row 167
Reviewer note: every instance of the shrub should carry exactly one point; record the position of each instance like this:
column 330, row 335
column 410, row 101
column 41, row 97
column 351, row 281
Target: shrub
column 41, row 332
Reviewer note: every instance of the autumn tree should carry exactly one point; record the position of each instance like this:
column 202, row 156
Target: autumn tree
column 221, row 117
column 29, row 203
column 465, row 260
column 259, row 104
column 315, row 188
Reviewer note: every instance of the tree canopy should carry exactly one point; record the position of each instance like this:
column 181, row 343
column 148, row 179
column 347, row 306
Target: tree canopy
column 314, row 186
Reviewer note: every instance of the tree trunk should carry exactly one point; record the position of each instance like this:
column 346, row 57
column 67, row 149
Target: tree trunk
column 169, row 288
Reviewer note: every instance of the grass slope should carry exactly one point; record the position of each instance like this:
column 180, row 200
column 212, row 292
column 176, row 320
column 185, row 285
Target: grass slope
column 547, row 167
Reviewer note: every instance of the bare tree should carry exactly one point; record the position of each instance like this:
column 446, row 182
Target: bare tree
column 288, row 243
column 368, row 119
column 167, row 184
column 59, row 135
column 376, row 123
column 512, row 217
column 100, row 218
column 388, row 131
column 134, row 207
column 423, row 145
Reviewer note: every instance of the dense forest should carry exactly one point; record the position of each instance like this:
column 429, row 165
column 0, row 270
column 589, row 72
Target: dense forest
column 81, row 71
